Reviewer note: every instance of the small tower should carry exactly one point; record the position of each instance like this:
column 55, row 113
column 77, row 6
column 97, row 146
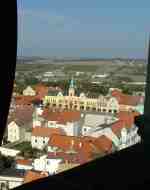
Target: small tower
column 72, row 88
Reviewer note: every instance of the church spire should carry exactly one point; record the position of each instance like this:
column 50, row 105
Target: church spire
column 72, row 83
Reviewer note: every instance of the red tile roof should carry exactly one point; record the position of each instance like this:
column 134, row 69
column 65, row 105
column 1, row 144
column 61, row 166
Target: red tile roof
column 45, row 131
column 25, row 100
column 126, row 119
column 62, row 117
column 23, row 162
column 41, row 90
column 125, row 99
column 89, row 145
column 22, row 115
column 117, row 127
column 103, row 143
column 32, row 176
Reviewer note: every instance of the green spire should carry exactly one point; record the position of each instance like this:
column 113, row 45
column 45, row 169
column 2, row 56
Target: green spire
column 72, row 83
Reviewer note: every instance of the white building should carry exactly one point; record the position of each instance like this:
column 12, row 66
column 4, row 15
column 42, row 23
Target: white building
column 9, row 152
column 46, row 165
column 100, row 76
column 10, row 182
column 93, row 122
column 69, row 128
column 48, row 74
column 129, row 137
column 29, row 91
column 41, row 135
column 15, row 132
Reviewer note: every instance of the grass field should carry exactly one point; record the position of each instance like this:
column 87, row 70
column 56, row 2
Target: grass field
column 137, row 73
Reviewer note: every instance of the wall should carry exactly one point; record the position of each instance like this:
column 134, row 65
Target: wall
column 13, row 132
column 44, row 164
column 39, row 144
column 23, row 167
column 27, row 136
column 9, row 152
column 12, row 181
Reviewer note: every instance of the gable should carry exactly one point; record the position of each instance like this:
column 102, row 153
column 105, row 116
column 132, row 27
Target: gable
column 12, row 125
column 113, row 102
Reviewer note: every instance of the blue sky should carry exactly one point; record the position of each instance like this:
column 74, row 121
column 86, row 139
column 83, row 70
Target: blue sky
column 83, row 28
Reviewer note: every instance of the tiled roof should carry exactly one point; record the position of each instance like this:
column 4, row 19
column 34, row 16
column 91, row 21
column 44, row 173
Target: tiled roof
column 117, row 127
column 41, row 90
column 23, row 162
column 85, row 146
column 103, row 143
column 22, row 115
column 32, row 175
column 63, row 117
column 65, row 142
column 126, row 119
column 125, row 99
column 25, row 100
column 45, row 131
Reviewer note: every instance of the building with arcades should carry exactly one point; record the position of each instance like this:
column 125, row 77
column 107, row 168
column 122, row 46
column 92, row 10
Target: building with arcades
column 72, row 101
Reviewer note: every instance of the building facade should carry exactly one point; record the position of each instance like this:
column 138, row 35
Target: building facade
column 71, row 101
column 15, row 132
column 29, row 91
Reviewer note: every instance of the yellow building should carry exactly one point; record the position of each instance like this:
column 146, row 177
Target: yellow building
column 71, row 101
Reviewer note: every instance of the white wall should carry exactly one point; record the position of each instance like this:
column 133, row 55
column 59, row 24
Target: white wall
column 9, row 152
column 44, row 164
column 39, row 144
column 13, row 132
column 36, row 123
column 12, row 181
column 86, row 130
column 23, row 167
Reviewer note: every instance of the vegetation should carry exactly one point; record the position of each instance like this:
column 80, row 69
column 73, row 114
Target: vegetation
column 27, row 151
column 6, row 162
column 81, row 68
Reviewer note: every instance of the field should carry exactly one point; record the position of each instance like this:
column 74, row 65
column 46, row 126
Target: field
column 136, row 72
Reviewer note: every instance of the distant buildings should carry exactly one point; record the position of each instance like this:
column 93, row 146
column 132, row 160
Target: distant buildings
column 68, row 129
column 45, row 164
column 99, row 76
column 29, row 91
column 72, row 102
column 20, row 124
column 41, row 135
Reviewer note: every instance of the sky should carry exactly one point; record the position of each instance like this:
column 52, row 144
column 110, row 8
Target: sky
column 83, row 28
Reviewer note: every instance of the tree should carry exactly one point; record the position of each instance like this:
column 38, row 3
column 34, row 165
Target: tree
column 6, row 162
column 127, row 90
